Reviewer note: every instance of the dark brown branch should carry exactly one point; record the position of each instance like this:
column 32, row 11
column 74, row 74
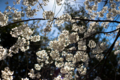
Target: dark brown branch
column 96, row 20
column 72, row 18
column 108, row 52
column 41, row 6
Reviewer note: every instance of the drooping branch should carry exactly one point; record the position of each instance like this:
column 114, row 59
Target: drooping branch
column 106, row 54
column 110, row 50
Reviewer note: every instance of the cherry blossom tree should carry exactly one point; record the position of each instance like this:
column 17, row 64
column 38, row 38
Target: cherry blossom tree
column 58, row 52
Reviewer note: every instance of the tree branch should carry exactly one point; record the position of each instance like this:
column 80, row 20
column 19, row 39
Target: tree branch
column 108, row 52
column 72, row 18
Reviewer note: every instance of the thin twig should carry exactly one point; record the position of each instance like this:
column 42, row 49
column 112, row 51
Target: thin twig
column 41, row 6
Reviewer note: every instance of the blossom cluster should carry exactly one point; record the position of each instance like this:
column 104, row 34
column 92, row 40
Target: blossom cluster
column 32, row 74
column 24, row 35
column 30, row 2
column 48, row 15
column 64, row 40
column 3, row 53
column 3, row 19
column 30, row 12
column 7, row 74
column 61, row 19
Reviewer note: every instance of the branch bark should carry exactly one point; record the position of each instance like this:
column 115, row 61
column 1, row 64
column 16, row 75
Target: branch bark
column 90, row 20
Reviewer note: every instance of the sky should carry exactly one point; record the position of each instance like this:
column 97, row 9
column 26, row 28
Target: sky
column 57, row 10
column 3, row 5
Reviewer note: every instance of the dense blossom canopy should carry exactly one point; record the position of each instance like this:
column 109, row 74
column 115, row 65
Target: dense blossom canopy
column 59, row 53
